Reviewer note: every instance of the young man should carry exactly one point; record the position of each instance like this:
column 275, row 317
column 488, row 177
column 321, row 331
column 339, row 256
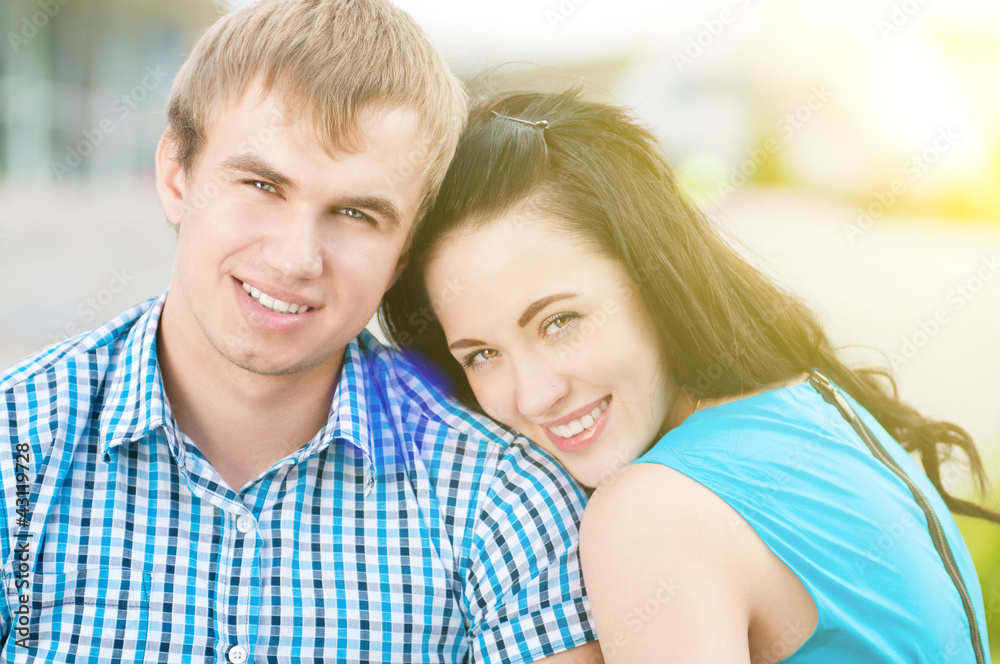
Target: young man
column 235, row 471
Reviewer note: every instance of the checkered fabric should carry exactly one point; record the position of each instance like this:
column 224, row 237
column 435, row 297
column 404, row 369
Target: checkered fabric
column 407, row 530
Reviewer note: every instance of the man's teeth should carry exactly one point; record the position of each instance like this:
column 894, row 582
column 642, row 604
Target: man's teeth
column 575, row 427
column 273, row 303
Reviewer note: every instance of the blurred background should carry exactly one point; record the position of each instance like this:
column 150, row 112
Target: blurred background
column 852, row 148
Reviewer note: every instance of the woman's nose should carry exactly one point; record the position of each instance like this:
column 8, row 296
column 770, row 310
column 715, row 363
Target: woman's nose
column 539, row 388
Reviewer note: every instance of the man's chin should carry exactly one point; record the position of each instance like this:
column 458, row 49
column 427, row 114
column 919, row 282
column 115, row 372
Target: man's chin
column 263, row 367
column 262, row 362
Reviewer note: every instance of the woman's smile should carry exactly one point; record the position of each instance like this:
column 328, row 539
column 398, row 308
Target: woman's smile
column 555, row 339
column 576, row 432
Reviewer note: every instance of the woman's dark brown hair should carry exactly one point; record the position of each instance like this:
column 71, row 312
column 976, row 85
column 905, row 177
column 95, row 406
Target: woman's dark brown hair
column 725, row 328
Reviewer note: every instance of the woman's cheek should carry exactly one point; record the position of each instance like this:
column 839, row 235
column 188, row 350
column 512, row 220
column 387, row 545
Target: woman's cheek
column 495, row 402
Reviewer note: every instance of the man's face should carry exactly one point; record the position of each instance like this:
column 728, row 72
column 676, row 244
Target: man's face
column 283, row 252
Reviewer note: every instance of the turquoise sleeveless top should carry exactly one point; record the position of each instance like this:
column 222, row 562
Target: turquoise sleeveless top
column 794, row 469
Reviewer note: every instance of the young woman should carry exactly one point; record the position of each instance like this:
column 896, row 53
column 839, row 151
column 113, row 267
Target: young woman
column 757, row 501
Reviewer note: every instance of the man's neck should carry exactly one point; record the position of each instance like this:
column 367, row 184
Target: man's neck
column 243, row 422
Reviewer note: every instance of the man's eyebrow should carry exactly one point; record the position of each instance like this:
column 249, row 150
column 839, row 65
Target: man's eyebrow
column 465, row 343
column 254, row 165
column 540, row 304
column 384, row 208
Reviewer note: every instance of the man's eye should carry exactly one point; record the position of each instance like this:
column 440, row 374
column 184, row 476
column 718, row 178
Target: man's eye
column 351, row 212
column 263, row 186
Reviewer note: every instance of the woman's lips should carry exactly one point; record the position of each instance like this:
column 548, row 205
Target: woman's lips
column 577, row 431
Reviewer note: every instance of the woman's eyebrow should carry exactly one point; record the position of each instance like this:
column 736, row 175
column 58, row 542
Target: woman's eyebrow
column 465, row 343
column 540, row 304
column 530, row 311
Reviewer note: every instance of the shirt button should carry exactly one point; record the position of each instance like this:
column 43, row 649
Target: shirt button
column 244, row 524
column 237, row 655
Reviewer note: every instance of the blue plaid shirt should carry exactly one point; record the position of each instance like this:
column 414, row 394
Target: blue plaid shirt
column 407, row 530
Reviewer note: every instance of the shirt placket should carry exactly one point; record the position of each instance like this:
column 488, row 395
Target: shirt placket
column 237, row 548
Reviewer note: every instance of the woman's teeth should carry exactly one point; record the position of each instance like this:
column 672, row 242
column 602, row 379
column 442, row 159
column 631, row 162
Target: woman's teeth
column 273, row 303
column 575, row 427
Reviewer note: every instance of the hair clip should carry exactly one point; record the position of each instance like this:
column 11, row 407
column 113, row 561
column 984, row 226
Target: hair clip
column 540, row 124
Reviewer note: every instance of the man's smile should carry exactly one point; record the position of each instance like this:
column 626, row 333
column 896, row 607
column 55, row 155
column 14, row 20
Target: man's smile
column 273, row 303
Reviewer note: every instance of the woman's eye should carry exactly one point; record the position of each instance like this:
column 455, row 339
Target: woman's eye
column 480, row 358
column 557, row 323
column 263, row 186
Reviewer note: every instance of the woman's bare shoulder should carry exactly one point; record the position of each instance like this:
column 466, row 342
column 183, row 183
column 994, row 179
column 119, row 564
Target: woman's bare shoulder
column 659, row 550
column 653, row 502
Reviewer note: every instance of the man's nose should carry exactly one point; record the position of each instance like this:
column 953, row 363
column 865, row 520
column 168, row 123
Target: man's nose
column 294, row 249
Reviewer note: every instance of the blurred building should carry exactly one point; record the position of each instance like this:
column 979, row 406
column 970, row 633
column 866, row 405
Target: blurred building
column 846, row 100
column 83, row 83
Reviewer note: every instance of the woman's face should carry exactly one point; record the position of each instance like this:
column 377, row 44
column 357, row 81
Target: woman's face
column 555, row 339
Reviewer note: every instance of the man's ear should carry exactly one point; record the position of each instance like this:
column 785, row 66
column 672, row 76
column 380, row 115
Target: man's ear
column 404, row 260
column 404, row 257
column 170, row 177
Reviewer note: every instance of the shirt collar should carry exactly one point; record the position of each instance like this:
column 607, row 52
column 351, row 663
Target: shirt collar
column 135, row 404
column 349, row 410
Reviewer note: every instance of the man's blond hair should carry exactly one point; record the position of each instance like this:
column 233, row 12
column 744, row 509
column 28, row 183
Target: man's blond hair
column 327, row 61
